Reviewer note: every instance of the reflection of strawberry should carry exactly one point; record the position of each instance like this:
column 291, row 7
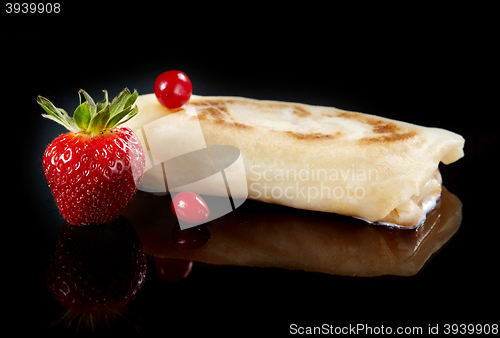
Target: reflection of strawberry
column 93, row 171
column 96, row 267
column 93, row 273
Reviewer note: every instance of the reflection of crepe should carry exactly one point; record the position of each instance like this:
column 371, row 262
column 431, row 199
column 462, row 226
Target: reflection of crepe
column 316, row 158
column 269, row 235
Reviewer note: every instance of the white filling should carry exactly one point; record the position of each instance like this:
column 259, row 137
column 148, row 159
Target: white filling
column 417, row 206
column 428, row 204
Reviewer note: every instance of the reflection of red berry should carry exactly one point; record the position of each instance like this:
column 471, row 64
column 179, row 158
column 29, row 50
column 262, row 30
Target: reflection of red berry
column 173, row 89
column 96, row 267
column 190, row 207
column 93, row 171
column 173, row 269
column 191, row 238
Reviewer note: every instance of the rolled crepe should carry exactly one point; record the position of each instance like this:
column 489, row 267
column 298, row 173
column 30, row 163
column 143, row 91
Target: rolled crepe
column 310, row 157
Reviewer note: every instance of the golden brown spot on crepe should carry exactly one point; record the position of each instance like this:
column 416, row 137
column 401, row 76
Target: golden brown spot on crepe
column 391, row 137
column 348, row 115
column 213, row 113
column 300, row 112
column 311, row 136
column 176, row 110
column 238, row 125
column 390, row 131
column 217, row 104
column 216, row 111
column 210, row 109
column 379, row 126
column 231, row 124
column 383, row 127
column 328, row 115
column 221, row 106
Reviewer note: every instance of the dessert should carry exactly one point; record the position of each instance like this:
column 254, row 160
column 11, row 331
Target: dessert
column 309, row 157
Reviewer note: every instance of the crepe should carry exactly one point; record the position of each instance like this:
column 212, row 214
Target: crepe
column 309, row 157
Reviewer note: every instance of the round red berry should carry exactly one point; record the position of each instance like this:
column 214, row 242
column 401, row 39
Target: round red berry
column 173, row 89
column 190, row 207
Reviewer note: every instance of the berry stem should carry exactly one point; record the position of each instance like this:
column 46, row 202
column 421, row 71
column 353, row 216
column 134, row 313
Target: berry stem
column 93, row 118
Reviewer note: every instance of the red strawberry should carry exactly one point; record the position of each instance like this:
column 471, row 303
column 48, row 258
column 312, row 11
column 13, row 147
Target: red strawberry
column 93, row 171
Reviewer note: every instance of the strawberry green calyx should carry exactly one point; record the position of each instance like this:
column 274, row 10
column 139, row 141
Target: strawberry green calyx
column 93, row 118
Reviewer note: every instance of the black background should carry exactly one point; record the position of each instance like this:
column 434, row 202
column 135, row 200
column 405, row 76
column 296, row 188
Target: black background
column 429, row 69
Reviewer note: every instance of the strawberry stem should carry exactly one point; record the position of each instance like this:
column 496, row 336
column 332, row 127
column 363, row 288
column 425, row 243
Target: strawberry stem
column 93, row 118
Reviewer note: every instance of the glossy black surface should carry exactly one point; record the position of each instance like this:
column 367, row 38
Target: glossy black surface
column 412, row 81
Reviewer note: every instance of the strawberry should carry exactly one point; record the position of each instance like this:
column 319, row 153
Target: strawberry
column 93, row 171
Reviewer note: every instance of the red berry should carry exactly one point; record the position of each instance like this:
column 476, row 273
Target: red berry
column 173, row 89
column 93, row 178
column 190, row 207
column 190, row 238
column 93, row 171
